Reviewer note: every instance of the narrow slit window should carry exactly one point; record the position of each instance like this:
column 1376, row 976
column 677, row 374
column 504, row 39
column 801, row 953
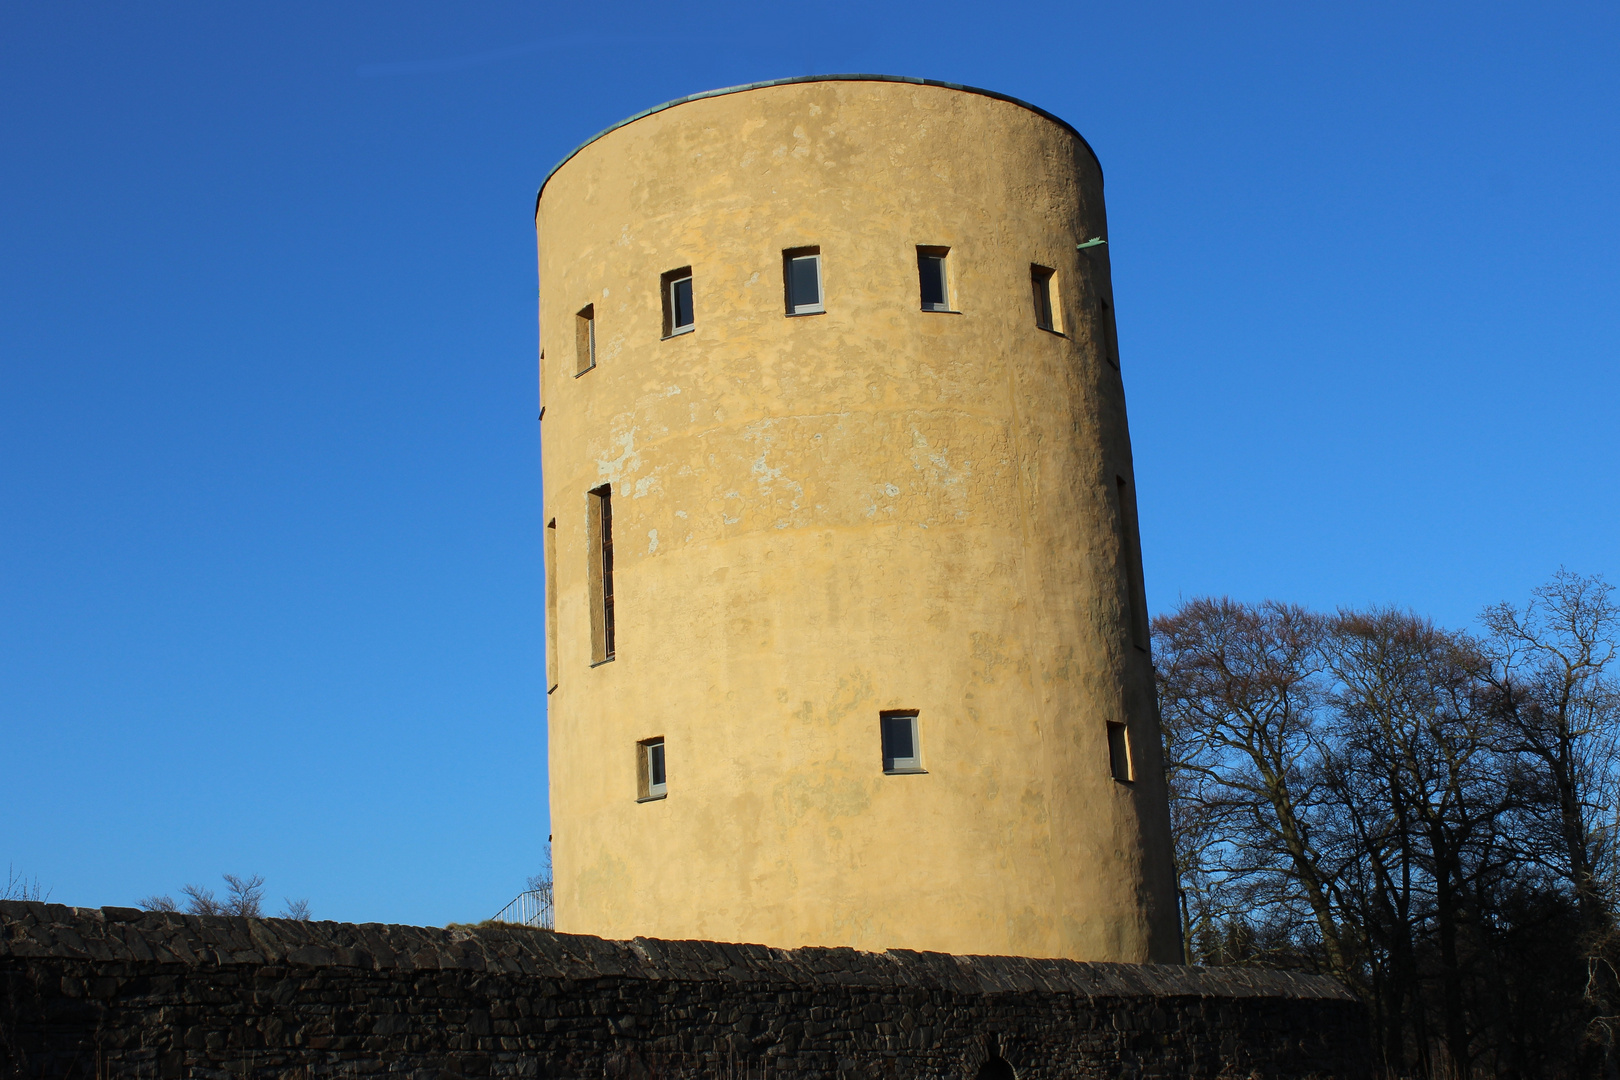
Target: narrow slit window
column 551, row 605
column 1043, row 281
column 932, row 279
column 600, row 523
column 678, row 316
column 585, row 339
column 1132, row 564
column 1119, row 753
column 801, row 280
column 901, row 751
column 1108, row 336
column 652, row 782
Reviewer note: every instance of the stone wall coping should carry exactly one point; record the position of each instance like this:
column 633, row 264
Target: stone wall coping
column 31, row 930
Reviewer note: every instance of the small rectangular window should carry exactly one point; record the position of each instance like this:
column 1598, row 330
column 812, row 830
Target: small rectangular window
column 585, row 339
column 931, row 277
column 1132, row 564
column 600, row 532
column 678, row 318
column 901, row 752
column 801, row 281
column 651, row 780
column 1119, row 753
column 551, row 605
column 1043, row 280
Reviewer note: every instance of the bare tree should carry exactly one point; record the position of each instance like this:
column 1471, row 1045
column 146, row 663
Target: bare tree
column 1198, row 825
column 1556, row 692
column 18, row 887
column 200, row 901
column 295, row 909
column 1557, row 696
column 1423, row 813
column 244, row 896
column 1420, row 791
column 1240, row 692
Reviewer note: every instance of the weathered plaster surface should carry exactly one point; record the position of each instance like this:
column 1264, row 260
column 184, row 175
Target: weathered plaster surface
column 821, row 517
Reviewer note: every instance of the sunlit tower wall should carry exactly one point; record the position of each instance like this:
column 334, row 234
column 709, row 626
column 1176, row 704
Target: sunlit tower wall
column 847, row 637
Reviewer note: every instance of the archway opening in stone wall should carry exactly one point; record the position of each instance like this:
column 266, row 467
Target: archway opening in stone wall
column 996, row 1068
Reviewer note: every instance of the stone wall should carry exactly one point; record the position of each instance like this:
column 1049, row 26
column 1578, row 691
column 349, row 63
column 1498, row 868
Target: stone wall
column 117, row 992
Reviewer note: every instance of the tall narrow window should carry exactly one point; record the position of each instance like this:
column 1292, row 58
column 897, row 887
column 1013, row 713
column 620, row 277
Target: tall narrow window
column 1107, row 338
column 585, row 339
column 801, row 280
column 1133, row 564
column 898, row 730
column 551, row 605
column 1119, row 753
column 651, row 780
column 1043, row 281
column 678, row 318
column 600, row 523
column 931, row 277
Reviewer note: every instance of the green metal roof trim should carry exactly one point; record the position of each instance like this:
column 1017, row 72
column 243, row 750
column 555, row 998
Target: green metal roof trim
column 810, row 79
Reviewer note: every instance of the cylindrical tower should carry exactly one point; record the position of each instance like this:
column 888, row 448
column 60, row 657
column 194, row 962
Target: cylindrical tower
column 846, row 632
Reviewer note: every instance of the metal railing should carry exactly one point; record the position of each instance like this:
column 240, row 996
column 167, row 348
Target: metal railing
column 531, row 908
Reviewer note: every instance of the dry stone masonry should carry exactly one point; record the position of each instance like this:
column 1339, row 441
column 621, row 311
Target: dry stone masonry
column 115, row 992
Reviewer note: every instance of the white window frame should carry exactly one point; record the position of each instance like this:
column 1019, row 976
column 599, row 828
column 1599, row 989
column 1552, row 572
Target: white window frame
column 942, row 255
column 898, row 766
column 670, row 308
column 820, row 306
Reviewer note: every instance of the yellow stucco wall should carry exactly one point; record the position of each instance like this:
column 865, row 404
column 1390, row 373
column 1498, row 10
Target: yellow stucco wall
column 822, row 517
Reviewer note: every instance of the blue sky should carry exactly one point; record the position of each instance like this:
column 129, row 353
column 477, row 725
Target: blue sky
column 270, row 580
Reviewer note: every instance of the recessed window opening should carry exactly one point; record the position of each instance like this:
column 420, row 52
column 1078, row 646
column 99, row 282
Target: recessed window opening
column 1132, row 564
column 1108, row 337
column 677, row 288
column 551, row 605
column 1043, row 281
column 600, row 530
column 932, row 278
column 651, row 780
column 1119, row 753
column 801, row 281
column 585, row 339
column 901, row 751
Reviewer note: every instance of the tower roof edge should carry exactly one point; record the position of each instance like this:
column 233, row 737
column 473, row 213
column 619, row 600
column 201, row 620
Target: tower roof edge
column 1070, row 128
